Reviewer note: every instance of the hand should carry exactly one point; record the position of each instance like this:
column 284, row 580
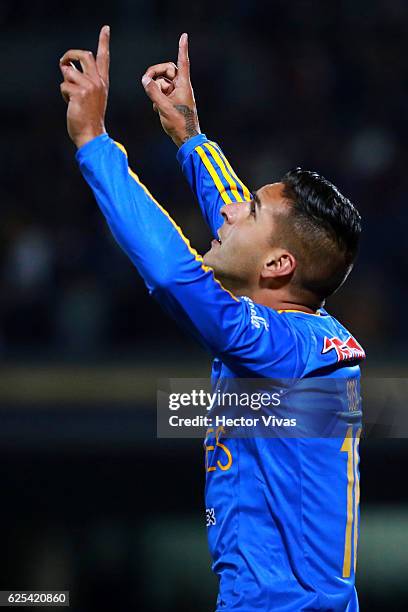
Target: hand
column 86, row 92
column 169, row 88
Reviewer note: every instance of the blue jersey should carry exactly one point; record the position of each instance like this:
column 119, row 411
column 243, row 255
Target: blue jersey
column 282, row 513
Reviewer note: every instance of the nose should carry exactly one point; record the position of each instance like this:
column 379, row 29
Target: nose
column 231, row 212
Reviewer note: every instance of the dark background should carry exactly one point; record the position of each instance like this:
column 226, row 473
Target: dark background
column 91, row 500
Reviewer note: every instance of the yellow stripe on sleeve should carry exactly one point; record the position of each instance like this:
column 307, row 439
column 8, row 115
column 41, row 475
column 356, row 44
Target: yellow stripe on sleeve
column 196, row 255
column 213, row 174
column 121, row 147
column 313, row 314
column 223, row 169
column 247, row 193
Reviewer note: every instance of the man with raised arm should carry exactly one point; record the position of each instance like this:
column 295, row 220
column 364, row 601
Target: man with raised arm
column 282, row 513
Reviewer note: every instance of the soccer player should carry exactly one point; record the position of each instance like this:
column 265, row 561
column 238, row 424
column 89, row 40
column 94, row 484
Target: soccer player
column 282, row 513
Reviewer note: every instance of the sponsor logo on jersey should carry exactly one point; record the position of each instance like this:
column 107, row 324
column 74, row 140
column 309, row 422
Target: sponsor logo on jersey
column 256, row 320
column 210, row 517
column 348, row 349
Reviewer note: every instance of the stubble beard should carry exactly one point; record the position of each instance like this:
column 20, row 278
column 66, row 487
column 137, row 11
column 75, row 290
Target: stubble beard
column 228, row 278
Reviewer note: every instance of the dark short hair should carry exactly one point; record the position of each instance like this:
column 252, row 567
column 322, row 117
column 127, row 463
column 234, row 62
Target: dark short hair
column 324, row 231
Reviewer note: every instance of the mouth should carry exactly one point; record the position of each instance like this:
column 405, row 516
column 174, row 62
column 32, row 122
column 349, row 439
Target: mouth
column 217, row 241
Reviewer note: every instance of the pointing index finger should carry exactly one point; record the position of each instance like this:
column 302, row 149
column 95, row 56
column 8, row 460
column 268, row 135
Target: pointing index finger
column 183, row 62
column 102, row 55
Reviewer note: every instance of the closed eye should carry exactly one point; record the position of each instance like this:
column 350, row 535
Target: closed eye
column 255, row 204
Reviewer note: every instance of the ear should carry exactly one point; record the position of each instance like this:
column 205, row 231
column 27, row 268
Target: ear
column 280, row 263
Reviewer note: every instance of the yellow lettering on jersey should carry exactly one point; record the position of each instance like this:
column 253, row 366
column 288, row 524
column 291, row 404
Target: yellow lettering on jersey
column 208, row 448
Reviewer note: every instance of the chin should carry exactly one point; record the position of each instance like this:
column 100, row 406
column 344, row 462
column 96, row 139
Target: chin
column 208, row 259
column 212, row 263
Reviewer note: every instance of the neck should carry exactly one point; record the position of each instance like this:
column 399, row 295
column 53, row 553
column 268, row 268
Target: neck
column 279, row 299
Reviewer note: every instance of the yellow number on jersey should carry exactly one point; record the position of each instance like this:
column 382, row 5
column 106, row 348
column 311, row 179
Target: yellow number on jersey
column 350, row 446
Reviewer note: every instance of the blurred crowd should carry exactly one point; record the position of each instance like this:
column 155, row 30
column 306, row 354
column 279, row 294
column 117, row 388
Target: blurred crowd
column 317, row 84
column 278, row 84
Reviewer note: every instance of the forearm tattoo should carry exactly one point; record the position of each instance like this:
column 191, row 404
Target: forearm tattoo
column 190, row 118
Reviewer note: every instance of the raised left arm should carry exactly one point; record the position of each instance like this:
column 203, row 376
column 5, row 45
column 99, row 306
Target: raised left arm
column 172, row 270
